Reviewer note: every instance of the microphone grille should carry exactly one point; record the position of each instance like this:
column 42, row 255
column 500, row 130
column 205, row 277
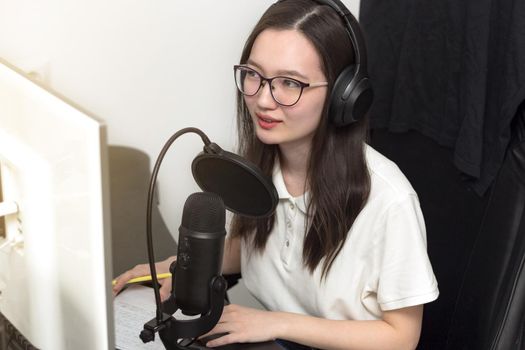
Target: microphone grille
column 204, row 212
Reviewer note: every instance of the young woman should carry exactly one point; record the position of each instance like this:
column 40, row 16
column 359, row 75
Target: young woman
column 342, row 263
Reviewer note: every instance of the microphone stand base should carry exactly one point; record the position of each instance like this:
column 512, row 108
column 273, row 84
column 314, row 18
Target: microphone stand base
column 173, row 330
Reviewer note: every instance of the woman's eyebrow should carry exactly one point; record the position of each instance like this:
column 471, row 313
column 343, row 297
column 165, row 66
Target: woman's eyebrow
column 281, row 72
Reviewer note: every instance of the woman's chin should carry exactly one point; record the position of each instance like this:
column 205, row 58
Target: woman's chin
column 267, row 139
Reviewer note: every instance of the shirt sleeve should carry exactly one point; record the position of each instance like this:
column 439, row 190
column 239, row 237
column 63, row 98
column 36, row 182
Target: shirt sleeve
column 406, row 277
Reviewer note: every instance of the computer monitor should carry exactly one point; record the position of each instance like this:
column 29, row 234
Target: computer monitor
column 55, row 255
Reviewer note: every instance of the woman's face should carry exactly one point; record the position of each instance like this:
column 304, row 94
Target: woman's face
column 286, row 53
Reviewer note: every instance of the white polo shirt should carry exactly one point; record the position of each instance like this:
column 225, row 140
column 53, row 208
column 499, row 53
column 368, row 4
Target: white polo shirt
column 382, row 266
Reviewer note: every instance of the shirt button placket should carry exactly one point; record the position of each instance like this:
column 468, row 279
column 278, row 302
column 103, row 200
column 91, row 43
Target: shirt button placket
column 288, row 232
column 289, row 225
column 287, row 249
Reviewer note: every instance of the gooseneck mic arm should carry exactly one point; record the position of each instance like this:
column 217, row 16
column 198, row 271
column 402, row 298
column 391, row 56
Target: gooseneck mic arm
column 151, row 191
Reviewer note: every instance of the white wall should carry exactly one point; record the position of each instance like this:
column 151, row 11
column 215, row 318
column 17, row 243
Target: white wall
column 148, row 68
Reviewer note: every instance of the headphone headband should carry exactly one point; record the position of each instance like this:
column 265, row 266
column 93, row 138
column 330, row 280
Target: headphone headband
column 354, row 32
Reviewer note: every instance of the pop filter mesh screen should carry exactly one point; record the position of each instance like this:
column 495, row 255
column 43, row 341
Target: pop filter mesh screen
column 241, row 186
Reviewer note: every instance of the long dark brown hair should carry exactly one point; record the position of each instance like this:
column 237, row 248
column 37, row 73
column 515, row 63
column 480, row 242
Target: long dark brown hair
column 337, row 176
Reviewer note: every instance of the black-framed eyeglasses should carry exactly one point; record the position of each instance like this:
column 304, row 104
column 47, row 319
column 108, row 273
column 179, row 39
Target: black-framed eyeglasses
column 285, row 91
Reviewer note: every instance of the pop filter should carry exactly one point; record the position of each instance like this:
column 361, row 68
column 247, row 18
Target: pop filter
column 244, row 189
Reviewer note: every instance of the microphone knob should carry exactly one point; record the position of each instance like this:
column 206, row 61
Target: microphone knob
column 184, row 260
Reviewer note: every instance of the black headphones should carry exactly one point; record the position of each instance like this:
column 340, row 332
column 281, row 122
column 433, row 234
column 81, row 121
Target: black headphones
column 352, row 93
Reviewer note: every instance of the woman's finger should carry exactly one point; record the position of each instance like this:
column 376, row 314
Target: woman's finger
column 137, row 271
column 165, row 288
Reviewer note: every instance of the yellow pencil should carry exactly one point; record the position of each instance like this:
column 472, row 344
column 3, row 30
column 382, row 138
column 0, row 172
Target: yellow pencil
column 145, row 278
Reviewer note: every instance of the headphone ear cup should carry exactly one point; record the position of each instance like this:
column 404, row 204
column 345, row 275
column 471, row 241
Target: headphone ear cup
column 351, row 97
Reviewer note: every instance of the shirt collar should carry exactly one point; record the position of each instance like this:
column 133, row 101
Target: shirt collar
column 278, row 181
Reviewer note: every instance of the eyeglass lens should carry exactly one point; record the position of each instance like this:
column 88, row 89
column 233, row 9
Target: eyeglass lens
column 285, row 91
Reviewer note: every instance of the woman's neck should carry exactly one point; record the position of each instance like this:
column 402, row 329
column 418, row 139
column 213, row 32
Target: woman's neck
column 294, row 167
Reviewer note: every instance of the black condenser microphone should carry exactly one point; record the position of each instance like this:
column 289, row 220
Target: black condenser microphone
column 200, row 251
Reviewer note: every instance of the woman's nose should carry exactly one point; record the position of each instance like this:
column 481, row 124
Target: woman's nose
column 264, row 96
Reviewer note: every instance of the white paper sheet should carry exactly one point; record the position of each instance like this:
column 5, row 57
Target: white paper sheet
column 133, row 307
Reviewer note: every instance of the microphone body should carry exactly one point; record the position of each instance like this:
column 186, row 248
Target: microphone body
column 200, row 251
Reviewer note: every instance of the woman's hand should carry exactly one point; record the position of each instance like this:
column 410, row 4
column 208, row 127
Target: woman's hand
column 244, row 325
column 399, row 329
column 143, row 270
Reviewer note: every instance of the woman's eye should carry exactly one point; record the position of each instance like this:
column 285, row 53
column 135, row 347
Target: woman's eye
column 251, row 74
column 290, row 84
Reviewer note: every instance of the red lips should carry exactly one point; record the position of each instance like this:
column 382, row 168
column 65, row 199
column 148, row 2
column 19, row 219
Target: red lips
column 267, row 122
